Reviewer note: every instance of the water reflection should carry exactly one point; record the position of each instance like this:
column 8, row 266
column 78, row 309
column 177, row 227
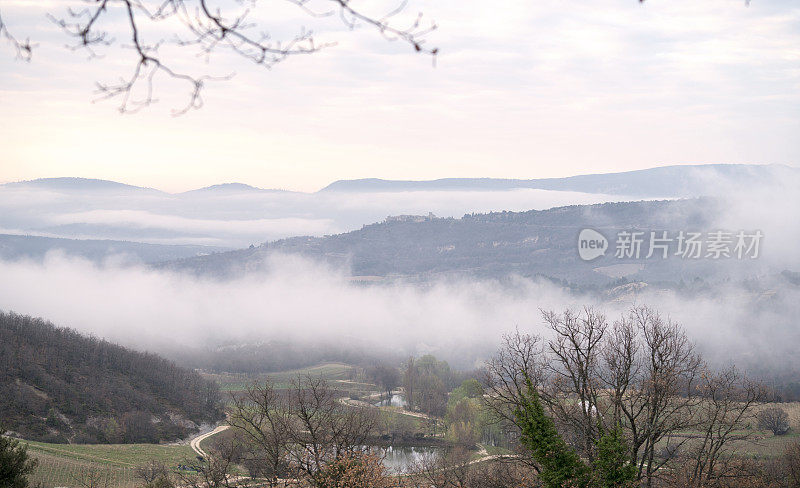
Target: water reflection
column 396, row 400
column 402, row 459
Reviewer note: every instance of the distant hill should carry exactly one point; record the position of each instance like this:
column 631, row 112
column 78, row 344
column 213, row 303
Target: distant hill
column 661, row 182
column 71, row 184
column 496, row 245
column 230, row 188
column 14, row 247
column 57, row 385
column 236, row 215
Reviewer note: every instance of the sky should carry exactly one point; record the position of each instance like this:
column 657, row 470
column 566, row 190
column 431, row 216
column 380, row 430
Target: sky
column 519, row 89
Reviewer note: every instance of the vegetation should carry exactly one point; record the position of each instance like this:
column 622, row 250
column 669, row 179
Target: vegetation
column 15, row 463
column 532, row 243
column 559, row 465
column 303, row 432
column 57, row 385
column 596, row 393
column 774, row 419
column 426, row 383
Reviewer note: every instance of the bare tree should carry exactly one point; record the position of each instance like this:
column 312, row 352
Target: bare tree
column 24, row 49
column 504, row 373
column 89, row 477
column 651, row 371
column 356, row 470
column 505, row 378
column 154, row 474
column 774, row 419
column 454, row 469
column 262, row 416
column 726, row 408
column 325, row 428
column 449, row 470
column 640, row 373
column 216, row 469
column 206, row 26
column 575, row 348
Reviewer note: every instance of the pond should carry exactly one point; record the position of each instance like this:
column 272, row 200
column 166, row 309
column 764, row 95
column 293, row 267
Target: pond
column 396, row 400
column 402, row 459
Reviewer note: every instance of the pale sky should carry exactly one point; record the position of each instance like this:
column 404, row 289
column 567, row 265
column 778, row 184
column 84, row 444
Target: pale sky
column 520, row 90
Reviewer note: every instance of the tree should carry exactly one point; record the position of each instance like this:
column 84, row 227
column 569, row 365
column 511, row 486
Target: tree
column 612, row 464
column 651, row 372
column 324, row 428
column 462, row 423
column 154, row 474
column 355, row 470
column 261, row 415
column 215, row 470
column 727, row 401
column 559, row 465
column 774, row 419
column 575, row 348
column 15, row 463
column 385, row 376
column 640, row 374
column 410, row 378
column 205, row 27
column 300, row 432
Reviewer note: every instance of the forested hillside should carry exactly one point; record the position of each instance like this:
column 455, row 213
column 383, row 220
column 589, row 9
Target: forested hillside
column 57, row 385
column 498, row 244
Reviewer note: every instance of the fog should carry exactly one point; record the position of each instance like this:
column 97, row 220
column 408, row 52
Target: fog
column 304, row 301
column 750, row 320
column 240, row 218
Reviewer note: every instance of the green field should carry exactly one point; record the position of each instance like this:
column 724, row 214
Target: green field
column 67, row 464
column 338, row 374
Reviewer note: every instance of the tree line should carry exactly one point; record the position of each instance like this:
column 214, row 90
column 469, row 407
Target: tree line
column 57, row 385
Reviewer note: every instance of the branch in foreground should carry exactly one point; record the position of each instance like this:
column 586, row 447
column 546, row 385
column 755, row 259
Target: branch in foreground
column 208, row 29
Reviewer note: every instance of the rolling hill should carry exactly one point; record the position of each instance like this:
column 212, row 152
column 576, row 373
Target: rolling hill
column 497, row 244
column 661, row 182
column 57, row 385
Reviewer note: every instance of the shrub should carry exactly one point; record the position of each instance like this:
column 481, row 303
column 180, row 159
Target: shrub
column 774, row 419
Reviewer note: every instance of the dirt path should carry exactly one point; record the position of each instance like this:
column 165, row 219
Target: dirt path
column 195, row 443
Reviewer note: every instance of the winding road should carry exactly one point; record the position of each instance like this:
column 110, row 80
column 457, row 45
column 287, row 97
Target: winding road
column 195, row 443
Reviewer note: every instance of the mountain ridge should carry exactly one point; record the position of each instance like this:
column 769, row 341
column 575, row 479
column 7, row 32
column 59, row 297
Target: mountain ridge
column 638, row 182
column 613, row 182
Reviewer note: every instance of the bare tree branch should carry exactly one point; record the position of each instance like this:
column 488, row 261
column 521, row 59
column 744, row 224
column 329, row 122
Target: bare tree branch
column 208, row 27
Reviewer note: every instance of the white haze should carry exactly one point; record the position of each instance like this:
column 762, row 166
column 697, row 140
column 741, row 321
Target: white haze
column 239, row 219
column 304, row 301
column 297, row 299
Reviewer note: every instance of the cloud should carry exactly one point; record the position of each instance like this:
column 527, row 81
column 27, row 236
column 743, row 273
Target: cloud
column 238, row 220
column 304, row 301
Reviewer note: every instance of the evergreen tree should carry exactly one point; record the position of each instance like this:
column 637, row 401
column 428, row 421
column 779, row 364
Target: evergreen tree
column 612, row 464
column 15, row 464
column 559, row 465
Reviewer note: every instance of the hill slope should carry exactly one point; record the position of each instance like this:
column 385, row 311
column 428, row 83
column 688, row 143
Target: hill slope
column 660, row 182
column 57, row 385
column 498, row 244
column 34, row 247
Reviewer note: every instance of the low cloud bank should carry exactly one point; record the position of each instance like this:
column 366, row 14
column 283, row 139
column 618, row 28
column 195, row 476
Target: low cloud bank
column 300, row 300
column 241, row 219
